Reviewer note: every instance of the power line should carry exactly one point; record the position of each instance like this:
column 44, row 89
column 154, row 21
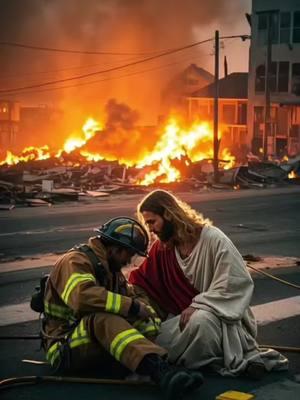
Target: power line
column 52, row 49
column 168, row 52
column 54, row 71
column 105, row 79
column 107, row 70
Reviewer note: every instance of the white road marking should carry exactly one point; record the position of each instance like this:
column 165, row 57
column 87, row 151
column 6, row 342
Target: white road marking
column 17, row 313
column 264, row 313
column 277, row 310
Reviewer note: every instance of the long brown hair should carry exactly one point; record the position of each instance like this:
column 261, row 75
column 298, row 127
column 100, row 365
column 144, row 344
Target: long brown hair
column 187, row 221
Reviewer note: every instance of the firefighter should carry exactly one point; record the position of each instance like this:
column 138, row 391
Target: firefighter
column 91, row 316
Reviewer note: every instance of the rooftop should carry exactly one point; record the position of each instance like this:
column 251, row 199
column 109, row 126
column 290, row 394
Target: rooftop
column 233, row 86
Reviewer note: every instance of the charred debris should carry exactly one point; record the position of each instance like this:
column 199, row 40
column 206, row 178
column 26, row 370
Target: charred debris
column 47, row 182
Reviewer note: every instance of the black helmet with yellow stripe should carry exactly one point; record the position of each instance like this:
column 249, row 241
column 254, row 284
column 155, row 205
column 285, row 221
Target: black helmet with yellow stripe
column 126, row 232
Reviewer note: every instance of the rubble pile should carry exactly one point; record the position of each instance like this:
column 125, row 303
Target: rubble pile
column 45, row 182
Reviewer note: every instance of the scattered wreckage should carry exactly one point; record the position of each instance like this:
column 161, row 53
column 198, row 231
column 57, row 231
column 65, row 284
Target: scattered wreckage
column 44, row 182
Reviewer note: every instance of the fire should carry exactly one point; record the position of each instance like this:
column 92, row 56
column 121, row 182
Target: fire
column 176, row 142
column 292, row 175
column 176, row 148
column 89, row 130
column 28, row 154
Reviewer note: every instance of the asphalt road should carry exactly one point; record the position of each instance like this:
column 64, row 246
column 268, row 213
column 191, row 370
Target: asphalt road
column 258, row 222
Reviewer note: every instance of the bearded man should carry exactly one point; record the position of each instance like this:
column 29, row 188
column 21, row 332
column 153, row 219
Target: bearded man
column 198, row 281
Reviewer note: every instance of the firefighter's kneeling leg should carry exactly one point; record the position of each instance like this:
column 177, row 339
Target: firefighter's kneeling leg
column 119, row 338
column 77, row 351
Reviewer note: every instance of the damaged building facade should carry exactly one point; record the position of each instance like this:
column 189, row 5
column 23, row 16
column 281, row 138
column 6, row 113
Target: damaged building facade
column 9, row 123
column 183, row 84
column 232, row 109
column 275, row 41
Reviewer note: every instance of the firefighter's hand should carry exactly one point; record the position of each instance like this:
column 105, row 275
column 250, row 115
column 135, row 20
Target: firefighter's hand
column 185, row 317
column 146, row 312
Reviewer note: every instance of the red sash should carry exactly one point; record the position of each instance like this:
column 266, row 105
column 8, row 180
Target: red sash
column 163, row 280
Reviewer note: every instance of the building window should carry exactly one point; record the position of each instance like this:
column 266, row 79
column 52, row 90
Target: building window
column 278, row 77
column 3, row 108
column 285, row 27
column 283, row 76
column 296, row 79
column 262, row 28
column 242, row 113
column 296, row 30
column 260, row 78
column 229, row 113
column 263, row 24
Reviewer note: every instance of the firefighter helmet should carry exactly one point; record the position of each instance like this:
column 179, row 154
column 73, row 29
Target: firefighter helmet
column 126, row 232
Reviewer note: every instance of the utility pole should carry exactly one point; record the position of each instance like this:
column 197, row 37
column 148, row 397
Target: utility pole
column 216, row 110
column 267, row 119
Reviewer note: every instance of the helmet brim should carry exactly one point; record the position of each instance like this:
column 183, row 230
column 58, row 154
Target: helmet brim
column 120, row 243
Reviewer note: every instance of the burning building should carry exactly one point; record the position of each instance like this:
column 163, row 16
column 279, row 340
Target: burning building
column 233, row 103
column 9, row 123
column 184, row 84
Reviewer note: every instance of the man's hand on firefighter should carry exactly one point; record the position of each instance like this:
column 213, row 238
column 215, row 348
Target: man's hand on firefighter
column 185, row 317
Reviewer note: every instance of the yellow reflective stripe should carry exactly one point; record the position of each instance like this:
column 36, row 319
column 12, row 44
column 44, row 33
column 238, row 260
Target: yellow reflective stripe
column 113, row 302
column 58, row 311
column 124, row 344
column 121, row 228
column 122, row 340
column 148, row 327
column 73, row 281
column 79, row 336
column 53, row 353
column 117, row 303
column 109, row 301
column 79, row 331
column 80, row 341
column 138, row 324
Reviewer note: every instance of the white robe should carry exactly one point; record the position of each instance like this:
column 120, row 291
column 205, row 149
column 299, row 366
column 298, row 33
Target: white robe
column 222, row 331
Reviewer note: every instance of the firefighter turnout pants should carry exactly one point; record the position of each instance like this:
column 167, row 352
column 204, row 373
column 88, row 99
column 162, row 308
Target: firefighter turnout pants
column 101, row 337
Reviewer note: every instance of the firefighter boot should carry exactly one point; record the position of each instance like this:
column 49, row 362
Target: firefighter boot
column 174, row 381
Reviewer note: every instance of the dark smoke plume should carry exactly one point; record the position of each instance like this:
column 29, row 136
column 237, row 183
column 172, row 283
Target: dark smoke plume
column 131, row 26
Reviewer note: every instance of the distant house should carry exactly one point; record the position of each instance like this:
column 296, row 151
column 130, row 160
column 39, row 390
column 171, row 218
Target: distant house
column 9, row 123
column 233, row 92
column 39, row 125
column 184, row 84
column 283, row 19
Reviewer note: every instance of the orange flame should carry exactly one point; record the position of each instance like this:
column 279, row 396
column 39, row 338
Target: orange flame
column 28, row 154
column 292, row 175
column 176, row 142
column 89, row 129
column 196, row 143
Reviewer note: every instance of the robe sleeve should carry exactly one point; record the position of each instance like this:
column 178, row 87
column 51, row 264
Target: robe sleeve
column 230, row 291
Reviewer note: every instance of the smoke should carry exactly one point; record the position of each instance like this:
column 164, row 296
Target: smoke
column 120, row 116
column 127, row 26
column 122, row 138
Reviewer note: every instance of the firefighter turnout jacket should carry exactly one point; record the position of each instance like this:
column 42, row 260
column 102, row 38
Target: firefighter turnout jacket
column 86, row 312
